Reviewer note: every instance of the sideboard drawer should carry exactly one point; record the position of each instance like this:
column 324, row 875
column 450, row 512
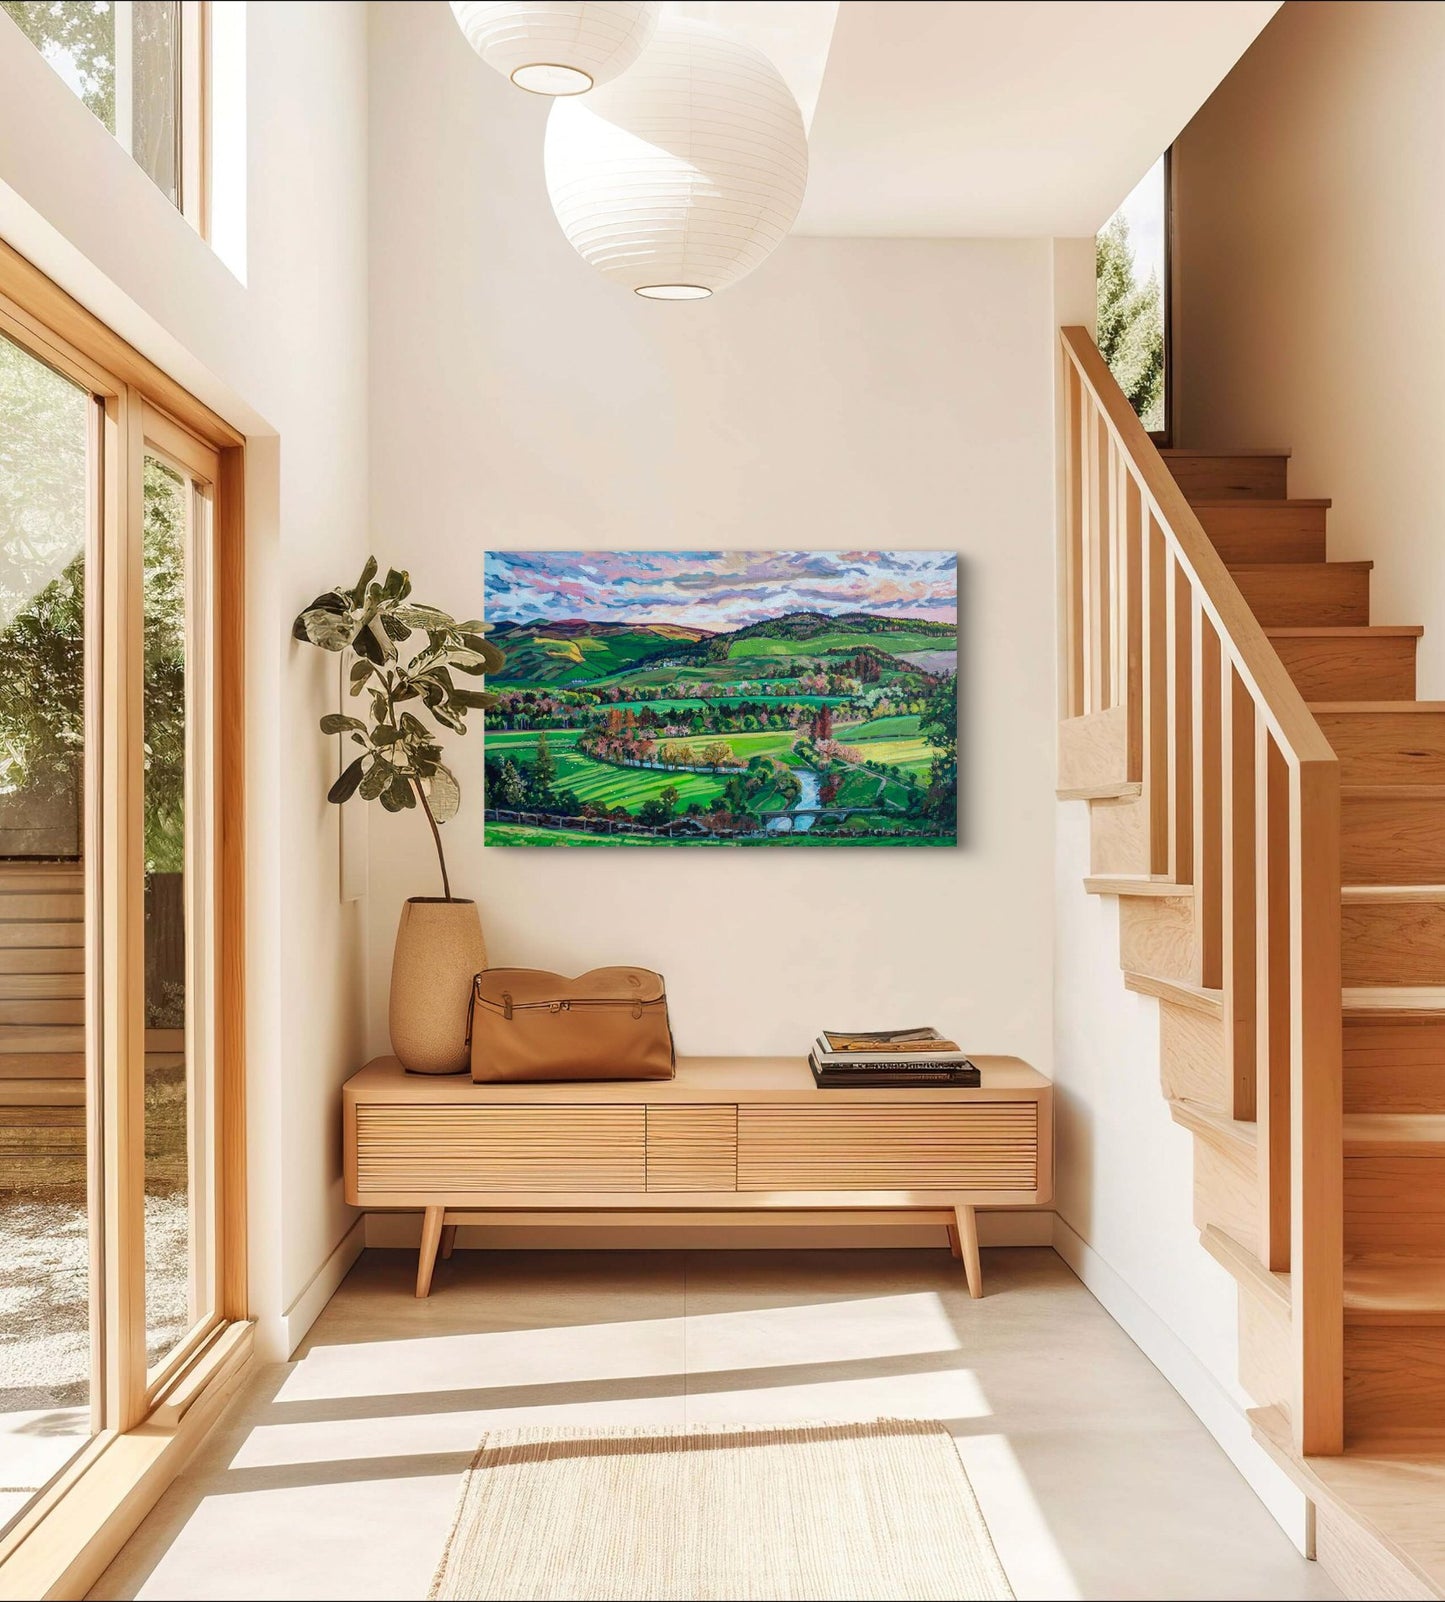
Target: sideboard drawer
column 448, row 1149
column 979, row 1145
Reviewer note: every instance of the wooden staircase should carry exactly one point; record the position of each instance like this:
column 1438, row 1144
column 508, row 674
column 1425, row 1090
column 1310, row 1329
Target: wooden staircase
column 1267, row 801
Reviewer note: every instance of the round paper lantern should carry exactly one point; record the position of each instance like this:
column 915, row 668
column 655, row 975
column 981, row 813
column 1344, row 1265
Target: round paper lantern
column 680, row 177
column 558, row 49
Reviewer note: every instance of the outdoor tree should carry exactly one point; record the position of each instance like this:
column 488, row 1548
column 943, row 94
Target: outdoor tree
column 1130, row 323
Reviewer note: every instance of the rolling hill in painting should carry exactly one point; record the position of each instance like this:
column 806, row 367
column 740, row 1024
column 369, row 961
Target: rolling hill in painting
column 788, row 699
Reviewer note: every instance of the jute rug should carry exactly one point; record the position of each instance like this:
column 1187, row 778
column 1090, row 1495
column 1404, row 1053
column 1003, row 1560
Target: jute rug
column 826, row 1512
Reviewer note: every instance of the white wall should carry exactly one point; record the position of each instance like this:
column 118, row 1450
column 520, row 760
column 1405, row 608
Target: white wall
column 853, row 393
column 284, row 358
column 1311, row 237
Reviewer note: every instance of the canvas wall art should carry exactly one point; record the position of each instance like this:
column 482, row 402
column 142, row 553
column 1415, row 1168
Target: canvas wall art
column 780, row 700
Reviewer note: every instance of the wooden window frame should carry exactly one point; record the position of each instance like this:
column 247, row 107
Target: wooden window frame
column 144, row 1424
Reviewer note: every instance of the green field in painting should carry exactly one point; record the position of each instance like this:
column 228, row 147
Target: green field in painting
column 896, row 728
column 521, row 834
column 601, row 784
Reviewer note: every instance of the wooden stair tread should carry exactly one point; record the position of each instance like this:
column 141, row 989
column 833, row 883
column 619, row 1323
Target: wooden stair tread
column 1200, row 998
column 1373, row 1002
column 1393, row 792
column 1394, row 1134
column 1211, row 1125
column 1290, row 569
column 1375, row 708
column 1352, row 631
column 1397, row 1498
column 1377, row 894
column 1263, row 503
column 1243, row 1262
column 1134, row 884
column 1167, row 451
column 1392, row 1291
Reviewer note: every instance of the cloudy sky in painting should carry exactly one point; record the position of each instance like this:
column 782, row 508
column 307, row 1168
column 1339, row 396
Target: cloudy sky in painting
column 717, row 590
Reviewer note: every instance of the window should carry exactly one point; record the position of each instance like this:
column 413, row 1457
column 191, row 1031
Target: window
column 1132, row 272
column 122, row 1260
column 140, row 66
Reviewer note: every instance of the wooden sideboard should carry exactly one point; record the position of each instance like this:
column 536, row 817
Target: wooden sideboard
column 728, row 1134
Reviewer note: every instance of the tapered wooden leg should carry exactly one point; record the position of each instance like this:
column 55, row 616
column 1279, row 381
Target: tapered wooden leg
column 431, row 1234
column 449, row 1239
column 968, row 1240
column 953, row 1245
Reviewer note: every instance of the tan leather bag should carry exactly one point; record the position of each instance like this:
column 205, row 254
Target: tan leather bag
column 528, row 1024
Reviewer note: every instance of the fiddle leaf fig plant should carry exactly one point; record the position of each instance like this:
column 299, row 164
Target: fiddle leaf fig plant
column 399, row 761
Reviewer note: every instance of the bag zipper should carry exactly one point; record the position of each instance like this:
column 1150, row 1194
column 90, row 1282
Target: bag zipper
column 508, row 1006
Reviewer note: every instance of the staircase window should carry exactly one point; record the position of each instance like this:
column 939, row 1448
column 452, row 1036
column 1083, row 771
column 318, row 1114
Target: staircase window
column 1131, row 258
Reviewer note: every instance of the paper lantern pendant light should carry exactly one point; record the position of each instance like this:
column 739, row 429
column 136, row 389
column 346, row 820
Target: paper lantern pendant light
column 685, row 173
column 558, row 49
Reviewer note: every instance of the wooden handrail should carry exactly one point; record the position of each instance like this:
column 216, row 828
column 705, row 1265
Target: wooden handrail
column 1241, row 798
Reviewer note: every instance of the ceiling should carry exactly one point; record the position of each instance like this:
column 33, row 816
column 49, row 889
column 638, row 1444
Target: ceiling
column 968, row 118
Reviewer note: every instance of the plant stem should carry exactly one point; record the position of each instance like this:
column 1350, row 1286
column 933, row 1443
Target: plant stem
column 436, row 835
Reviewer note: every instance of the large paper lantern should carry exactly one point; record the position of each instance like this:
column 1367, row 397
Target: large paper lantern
column 558, row 49
column 681, row 176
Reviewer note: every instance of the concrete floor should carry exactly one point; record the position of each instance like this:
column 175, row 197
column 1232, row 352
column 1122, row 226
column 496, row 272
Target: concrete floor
column 334, row 1476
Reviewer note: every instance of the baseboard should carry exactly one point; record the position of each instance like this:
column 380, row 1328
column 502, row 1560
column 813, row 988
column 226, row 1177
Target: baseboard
column 1021, row 1226
column 1219, row 1413
column 322, row 1286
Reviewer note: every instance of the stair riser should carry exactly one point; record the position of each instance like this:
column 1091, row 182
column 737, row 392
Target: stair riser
column 1395, row 1206
column 1395, row 1067
column 1387, row 747
column 1225, row 1190
column 1221, row 478
column 1117, row 841
column 1394, row 1383
column 1392, row 840
column 1306, row 595
column 1156, row 936
column 1393, row 943
column 1191, row 1057
column 1245, row 533
column 1361, row 668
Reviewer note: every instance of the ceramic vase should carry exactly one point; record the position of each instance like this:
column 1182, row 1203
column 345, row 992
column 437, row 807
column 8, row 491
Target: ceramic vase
column 439, row 947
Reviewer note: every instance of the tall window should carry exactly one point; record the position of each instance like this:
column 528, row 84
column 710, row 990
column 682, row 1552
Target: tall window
column 1131, row 258
column 121, row 1222
column 140, row 66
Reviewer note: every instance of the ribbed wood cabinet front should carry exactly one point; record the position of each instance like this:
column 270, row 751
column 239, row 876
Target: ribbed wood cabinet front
column 978, row 1145
column 447, row 1149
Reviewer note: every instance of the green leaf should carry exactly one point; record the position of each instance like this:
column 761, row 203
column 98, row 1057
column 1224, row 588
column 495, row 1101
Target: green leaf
column 377, row 777
column 361, row 671
column 444, row 794
column 396, row 584
column 388, row 799
column 417, row 616
column 478, row 700
column 339, row 723
column 413, row 725
column 384, row 734
column 367, row 574
column 474, row 625
column 330, row 630
column 366, row 644
column 395, row 628
column 401, row 793
column 345, row 786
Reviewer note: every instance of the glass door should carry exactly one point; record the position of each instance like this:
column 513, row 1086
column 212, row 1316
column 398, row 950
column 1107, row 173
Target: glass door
column 122, row 1222
column 49, row 476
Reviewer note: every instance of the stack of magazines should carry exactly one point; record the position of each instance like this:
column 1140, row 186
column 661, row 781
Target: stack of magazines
column 888, row 1057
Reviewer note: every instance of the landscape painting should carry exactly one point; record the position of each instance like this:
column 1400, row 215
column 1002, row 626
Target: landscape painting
column 781, row 700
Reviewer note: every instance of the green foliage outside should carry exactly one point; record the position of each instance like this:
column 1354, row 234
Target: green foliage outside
column 1130, row 333
column 43, row 492
column 81, row 33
